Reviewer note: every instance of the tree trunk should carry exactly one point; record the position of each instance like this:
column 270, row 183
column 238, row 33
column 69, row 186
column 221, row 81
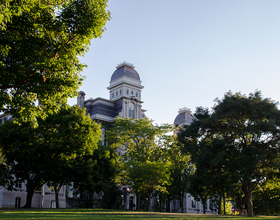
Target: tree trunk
column 57, row 189
column 247, row 188
column 266, row 205
column 220, row 205
column 204, row 206
column 224, row 202
column 168, row 205
column 182, row 203
column 147, row 204
column 30, row 192
column 138, row 202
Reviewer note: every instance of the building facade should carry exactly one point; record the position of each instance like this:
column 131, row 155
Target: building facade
column 125, row 97
column 43, row 198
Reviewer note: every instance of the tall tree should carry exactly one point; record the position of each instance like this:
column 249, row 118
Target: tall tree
column 142, row 160
column 50, row 151
column 40, row 45
column 207, row 154
column 247, row 129
column 180, row 172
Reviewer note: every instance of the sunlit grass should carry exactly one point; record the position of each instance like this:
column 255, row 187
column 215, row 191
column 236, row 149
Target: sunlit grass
column 110, row 214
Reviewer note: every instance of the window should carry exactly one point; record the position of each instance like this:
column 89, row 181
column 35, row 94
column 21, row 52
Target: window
column 211, row 205
column 17, row 202
column 53, row 204
column 193, row 204
column 131, row 113
column 18, row 184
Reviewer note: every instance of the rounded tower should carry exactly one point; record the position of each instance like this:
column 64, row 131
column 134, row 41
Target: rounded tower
column 184, row 117
column 125, row 91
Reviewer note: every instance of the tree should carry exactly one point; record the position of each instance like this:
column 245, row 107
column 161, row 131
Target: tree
column 180, row 172
column 40, row 45
column 207, row 155
column 4, row 174
column 266, row 196
column 51, row 151
column 95, row 173
column 142, row 160
column 247, row 130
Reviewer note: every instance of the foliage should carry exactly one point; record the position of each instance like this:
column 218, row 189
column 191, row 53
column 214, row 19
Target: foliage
column 142, row 148
column 95, row 174
column 180, row 172
column 4, row 174
column 51, row 152
column 242, row 134
column 112, row 196
column 40, row 45
column 267, row 196
column 228, row 206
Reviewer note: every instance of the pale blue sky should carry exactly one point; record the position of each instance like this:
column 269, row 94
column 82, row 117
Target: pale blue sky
column 188, row 52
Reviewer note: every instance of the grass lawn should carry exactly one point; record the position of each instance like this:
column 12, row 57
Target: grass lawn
column 109, row 214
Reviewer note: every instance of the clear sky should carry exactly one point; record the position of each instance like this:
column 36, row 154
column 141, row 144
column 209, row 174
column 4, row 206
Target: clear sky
column 188, row 52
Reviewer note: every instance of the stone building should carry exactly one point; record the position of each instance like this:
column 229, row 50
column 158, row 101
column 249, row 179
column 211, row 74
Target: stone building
column 125, row 97
column 44, row 198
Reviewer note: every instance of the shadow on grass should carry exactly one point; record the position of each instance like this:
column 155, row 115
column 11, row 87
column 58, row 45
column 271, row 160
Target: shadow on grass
column 110, row 214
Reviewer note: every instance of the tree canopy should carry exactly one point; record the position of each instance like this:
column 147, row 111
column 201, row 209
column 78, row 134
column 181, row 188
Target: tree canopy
column 240, row 137
column 41, row 42
column 143, row 162
column 51, row 152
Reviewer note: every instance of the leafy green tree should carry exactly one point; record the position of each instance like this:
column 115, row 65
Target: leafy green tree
column 247, row 130
column 51, row 151
column 40, row 45
column 266, row 196
column 142, row 160
column 95, row 173
column 226, row 209
column 207, row 155
column 180, row 172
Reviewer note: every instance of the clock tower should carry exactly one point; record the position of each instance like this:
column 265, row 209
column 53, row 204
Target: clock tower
column 125, row 91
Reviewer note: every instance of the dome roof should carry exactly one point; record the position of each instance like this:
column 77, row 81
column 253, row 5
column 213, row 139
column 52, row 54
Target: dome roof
column 125, row 69
column 184, row 117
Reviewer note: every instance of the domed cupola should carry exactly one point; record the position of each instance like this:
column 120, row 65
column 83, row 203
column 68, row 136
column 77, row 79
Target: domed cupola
column 184, row 117
column 125, row 69
column 125, row 82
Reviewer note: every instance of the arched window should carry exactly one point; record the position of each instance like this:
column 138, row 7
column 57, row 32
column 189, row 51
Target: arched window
column 53, row 204
column 17, row 202
column 131, row 112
